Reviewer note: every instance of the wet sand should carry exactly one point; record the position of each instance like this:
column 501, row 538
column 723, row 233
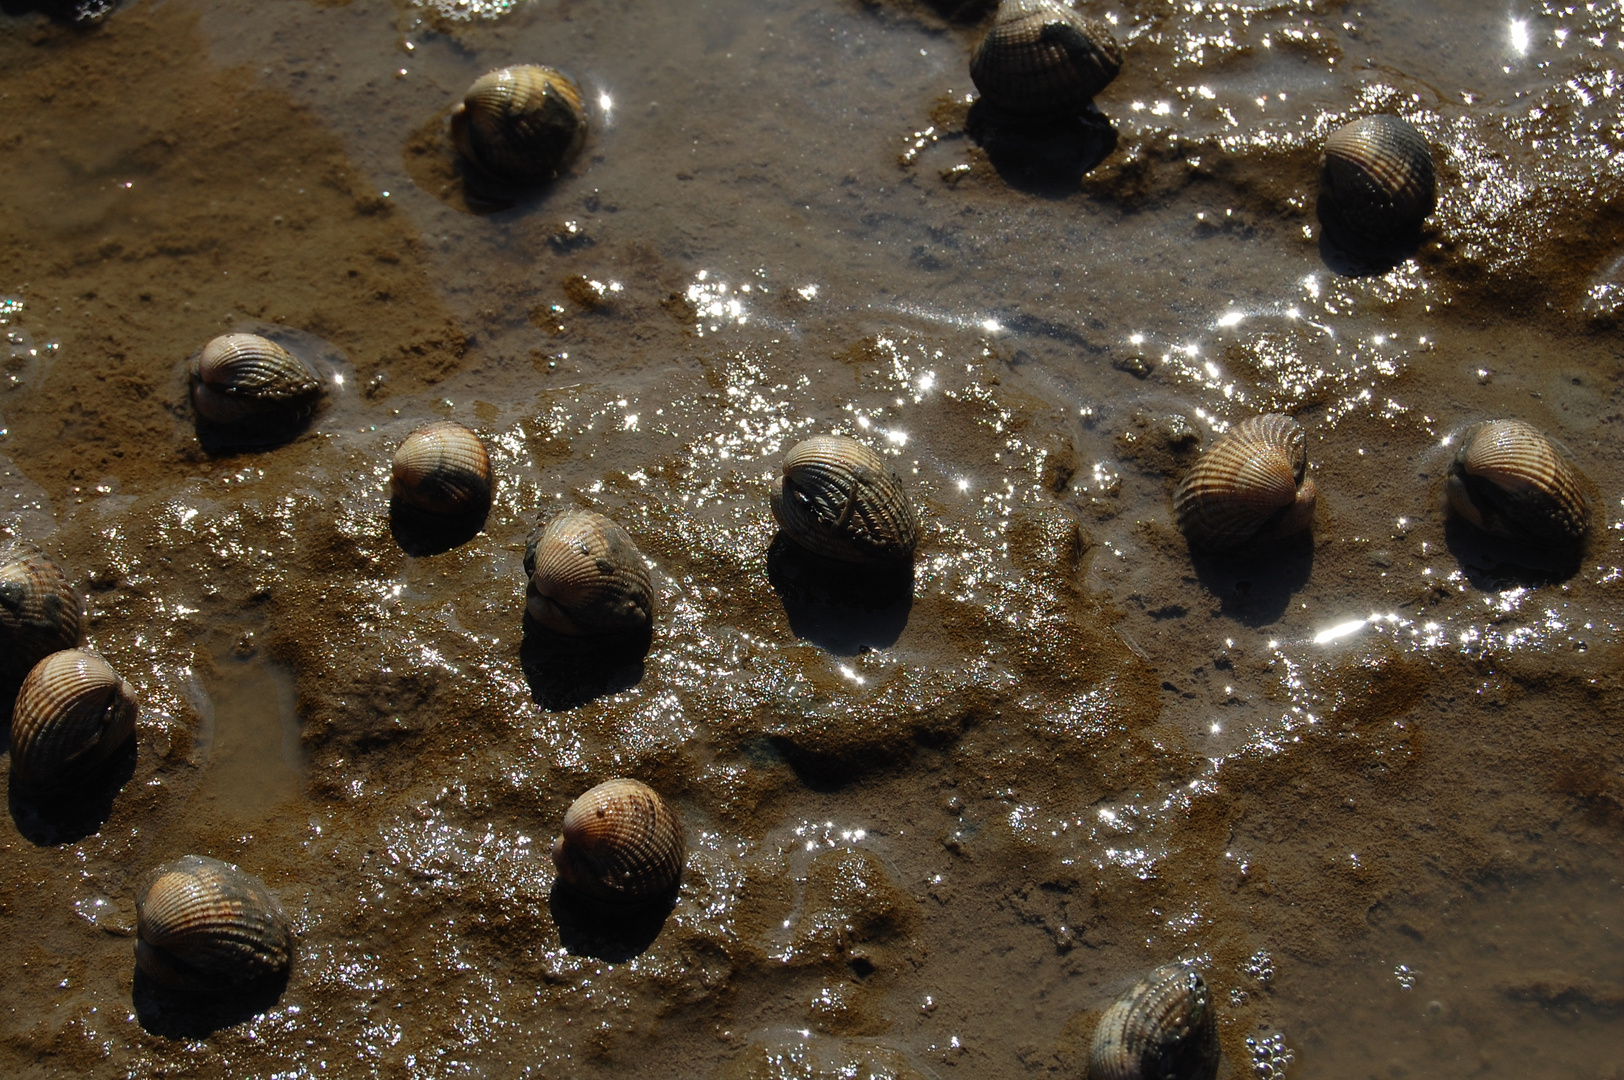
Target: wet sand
column 1371, row 782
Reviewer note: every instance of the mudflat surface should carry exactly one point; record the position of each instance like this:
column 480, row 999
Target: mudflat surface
column 1371, row 782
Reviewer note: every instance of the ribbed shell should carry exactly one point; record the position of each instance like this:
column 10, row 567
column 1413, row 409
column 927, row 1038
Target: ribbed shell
column 1162, row 1029
column 621, row 842
column 836, row 498
column 205, row 925
column 244, row 377
column 587, row 577
column 1378, row 180
column 1043, row 56
column 72, row 713
column 1248, row 484
column 1508, row 479
column 443, row 469
column 39, row 612
column 522, row 124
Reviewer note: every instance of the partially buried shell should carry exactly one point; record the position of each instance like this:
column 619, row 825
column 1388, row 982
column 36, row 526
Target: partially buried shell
column 1162, row 1029
column 587, row 578
column 1377, row 182
column 205, row 925
column 1249, row 484
column 621, row 842
column 1509, row 480
column 72, row 713
column 245, row 378
column 836, row 498
column 39, row 611
column 522, row 124
column 443, row 469
column 1043, row 56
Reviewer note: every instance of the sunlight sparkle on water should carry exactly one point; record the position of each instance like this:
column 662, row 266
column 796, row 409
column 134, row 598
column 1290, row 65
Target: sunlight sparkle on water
column 1340, row 630
column 1519, row 36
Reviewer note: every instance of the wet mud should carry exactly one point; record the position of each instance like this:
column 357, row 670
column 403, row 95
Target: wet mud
column 1370, row 781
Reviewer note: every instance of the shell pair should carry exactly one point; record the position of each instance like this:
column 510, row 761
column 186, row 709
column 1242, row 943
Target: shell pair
column 520, row 125
column 587, row 578
column 39, row 612
column 245, row 379
column 1377, row 183
column 1250, row 484
column 73, row 713
column 204, row 925
column 836, row 498
column 621, row 843
column 1511, row 481
column 443, row 470
column 1162, row 1029
column 1043, row 57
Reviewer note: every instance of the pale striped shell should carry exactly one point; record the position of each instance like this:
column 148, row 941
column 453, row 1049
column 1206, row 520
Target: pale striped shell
column 443, row 469
column 1377, row 182
column 621, row 842
column 837, row 498
column 1250, row 483
column 1509, row 480
column 39, row 612
column 1043, row 56
column 522, row 124
column 72, row 713
column 247, row 378
column 587, row 578
column 1162, row 1029
column 205, row 925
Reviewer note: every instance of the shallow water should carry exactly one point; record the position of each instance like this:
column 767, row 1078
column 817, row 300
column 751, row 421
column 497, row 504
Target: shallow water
column 1371, row 783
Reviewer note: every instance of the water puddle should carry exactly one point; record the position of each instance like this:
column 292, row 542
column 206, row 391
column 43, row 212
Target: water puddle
column 249, row 738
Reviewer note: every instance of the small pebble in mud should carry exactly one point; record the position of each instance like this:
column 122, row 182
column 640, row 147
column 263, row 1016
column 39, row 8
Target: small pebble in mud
column 1249, row 484
column 1043, row 56
column 520, row 125
column 1511, row 481
column 1377, row 183
column 621, row 842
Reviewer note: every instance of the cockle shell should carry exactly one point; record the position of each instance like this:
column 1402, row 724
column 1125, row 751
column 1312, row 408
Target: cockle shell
column 443, row 469
column 621, row 842
column 205, row 925
column 246, row 378
column 72, row 713
column 1509, row 480
column 837, row 498
column 587, row 578
column 1162, row 1029
column 1250, row 483
column 522, row 124
column 1043, row 56
column 1377, row 182
column 39, row 612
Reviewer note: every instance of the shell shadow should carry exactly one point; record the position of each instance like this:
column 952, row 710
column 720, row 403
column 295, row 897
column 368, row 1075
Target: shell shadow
column 843, row 609
column 79, row 13
column 1254, row 586
column 173, row 1014
column 1048, row 156
column 565, row 673
column 420, row 535
column 1492, row 564
column 1346, row 257
column 609, row 932
column 54, row 818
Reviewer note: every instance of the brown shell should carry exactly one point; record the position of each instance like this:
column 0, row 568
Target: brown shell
column 1377, row 181
column 39, row 612
column 836, row 498
column 72, row 713
column 1043, row 56
column 205, row 925
column 1162, row 1029
column 587, row 578
column 1250, row 483
column 443, row 469
column 621, row 842
column 522, row 124
column 244, row 377
column 1510, row 480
